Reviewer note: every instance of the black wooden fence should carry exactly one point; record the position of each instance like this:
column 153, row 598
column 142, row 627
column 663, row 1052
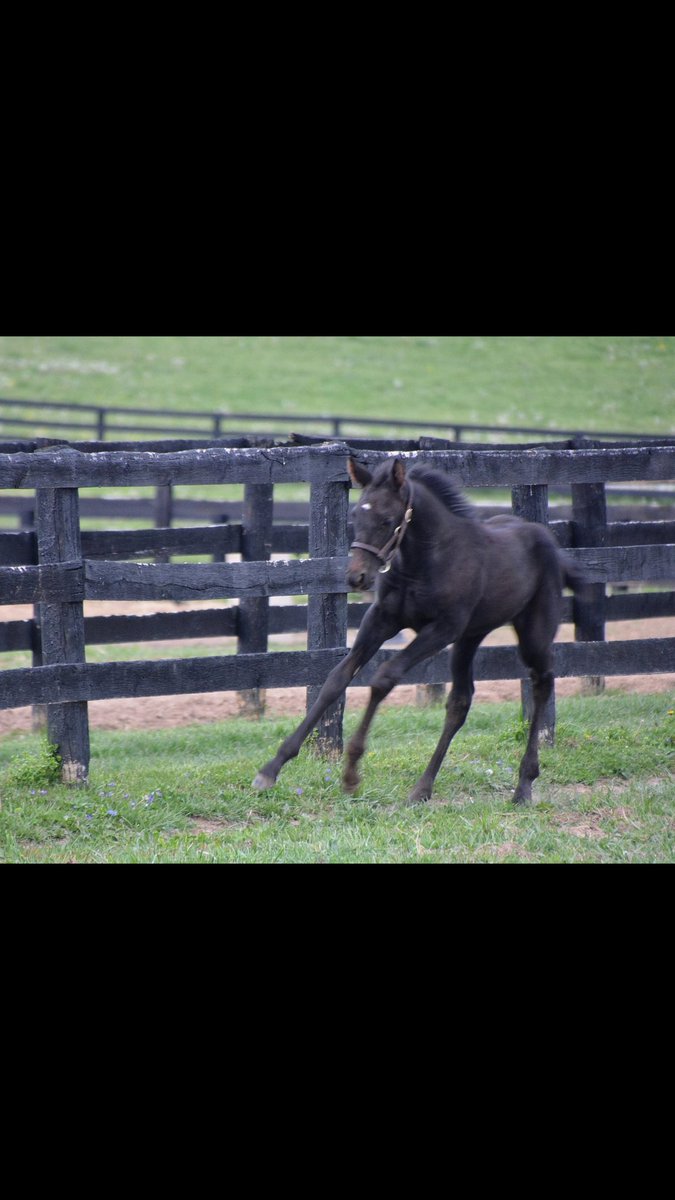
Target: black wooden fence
column 59, row 566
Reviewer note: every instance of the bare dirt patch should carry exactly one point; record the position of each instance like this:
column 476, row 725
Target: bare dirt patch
column 201, row 825
column 586, row 826
column 509, row 848
column 590, row 825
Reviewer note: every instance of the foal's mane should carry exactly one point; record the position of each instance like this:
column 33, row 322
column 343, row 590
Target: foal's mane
column 445, row 490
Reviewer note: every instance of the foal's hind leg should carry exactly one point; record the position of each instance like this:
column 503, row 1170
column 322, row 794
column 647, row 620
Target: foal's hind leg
column 535, row 638
column 457, row 710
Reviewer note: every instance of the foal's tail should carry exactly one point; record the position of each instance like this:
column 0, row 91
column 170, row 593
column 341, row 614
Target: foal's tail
column 574, row 576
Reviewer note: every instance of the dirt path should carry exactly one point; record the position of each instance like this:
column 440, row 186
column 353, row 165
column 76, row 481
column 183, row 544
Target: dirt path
column 164, row 711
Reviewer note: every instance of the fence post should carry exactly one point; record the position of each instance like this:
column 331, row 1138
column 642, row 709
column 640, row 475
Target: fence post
column 531, row 503
column 163, row 513
column 57, row 527
column 220, row 519
column 589, row 528
column 256, row 546
column 327, row 614
column 38, row 711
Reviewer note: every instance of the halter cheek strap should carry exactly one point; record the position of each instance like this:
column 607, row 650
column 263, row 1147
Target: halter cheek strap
column 387, row 552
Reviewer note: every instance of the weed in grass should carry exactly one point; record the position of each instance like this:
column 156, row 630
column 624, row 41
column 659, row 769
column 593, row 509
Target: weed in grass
column 34, row 768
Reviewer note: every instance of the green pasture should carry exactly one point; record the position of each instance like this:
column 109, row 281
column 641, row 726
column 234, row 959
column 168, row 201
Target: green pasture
column 594, row 383
column 606, row 793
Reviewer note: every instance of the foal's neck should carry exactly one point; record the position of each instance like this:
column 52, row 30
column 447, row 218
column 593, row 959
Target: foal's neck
column 432, row 520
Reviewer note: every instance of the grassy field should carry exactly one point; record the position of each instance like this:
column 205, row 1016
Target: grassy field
column 594, row 383
column 606, row 794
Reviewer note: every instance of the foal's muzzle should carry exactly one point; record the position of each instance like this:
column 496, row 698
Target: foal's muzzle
column 360, row 575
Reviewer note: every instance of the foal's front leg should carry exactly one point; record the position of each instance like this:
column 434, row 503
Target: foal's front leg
column 375, row 629
column 428, row 642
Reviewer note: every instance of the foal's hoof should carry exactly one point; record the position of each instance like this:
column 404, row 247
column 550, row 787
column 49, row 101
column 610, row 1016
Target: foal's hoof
column 522, row 799
column 262, row 781
column 350, row 783
column 419, row 795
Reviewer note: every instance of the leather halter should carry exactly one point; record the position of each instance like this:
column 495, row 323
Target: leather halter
column 387, row 552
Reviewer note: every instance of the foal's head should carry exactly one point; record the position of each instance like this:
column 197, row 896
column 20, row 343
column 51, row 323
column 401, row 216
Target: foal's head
column 380, row 520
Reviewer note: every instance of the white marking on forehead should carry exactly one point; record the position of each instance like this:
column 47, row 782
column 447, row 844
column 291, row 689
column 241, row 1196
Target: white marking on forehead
column 366, row 506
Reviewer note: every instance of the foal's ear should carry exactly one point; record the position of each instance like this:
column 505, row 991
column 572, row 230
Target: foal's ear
column 398, row 473
column 360, row 476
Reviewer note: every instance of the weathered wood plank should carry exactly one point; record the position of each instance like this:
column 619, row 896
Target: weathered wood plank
column 29, row 585
column 173, row 445
column 327, row 463
column 48, row 584
column 290, row 539
column 209, row 581
column 162, row 514
column 56, row 469
column 630, row 563
column 18, row 548
column 640, row 533
column 57, row 527
column 117, row 680
column 327, row 613
column 136, row 543
column 158, row 627
column 589, row 528
column 256, row 546
column 291, row 618
column 76, row 682
column 16, row 635
column 638, row 606
column 488, row 468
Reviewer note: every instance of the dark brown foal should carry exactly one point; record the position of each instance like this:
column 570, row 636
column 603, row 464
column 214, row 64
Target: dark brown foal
column 441, row 571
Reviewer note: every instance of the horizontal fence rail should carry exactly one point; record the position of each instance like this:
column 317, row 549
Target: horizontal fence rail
column 220, row 673
column 73, row 581
column 58, row 566
column 328, row 464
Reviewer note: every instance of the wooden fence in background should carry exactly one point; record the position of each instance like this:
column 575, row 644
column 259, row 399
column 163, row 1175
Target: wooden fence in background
column 107, row 422
column 58, row 566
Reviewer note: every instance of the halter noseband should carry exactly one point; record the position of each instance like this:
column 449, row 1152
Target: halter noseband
column 387, row 552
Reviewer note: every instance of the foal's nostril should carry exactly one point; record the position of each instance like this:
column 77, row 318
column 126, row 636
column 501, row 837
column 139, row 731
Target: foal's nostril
column 356, row 580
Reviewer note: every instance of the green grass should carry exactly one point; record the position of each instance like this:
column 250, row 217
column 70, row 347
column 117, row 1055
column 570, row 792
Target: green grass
column 606, row 794
column 585, row 382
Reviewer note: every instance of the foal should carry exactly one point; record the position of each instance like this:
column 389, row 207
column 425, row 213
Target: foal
column 440, row 570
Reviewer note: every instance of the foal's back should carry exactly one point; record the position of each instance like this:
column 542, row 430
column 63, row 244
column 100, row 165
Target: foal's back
column 521, row 561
